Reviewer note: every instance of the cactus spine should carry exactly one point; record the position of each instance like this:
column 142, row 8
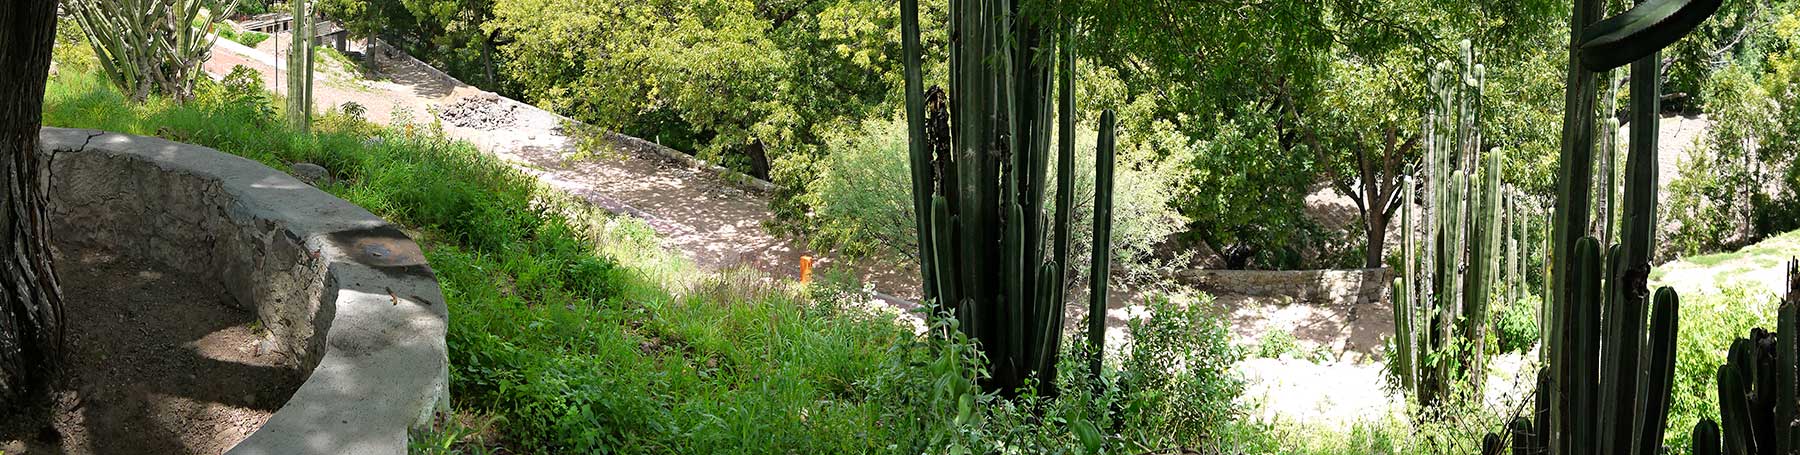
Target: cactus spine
column 981, row 168
column 300, row 67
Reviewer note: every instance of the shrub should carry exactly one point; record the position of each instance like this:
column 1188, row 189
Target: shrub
column 1276, row 342
column 860, row 200
column 1516, row 329
column 1709, row 323
column 247, row 38
column 240, row 90
column 1705, row 205
column 1176, row 373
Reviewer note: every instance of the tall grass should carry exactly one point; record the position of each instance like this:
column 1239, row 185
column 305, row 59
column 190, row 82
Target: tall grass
column 578, row 328
column 573, row 331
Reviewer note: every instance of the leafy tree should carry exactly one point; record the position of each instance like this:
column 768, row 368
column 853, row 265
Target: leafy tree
column 860, row 203
column 31, row 316
column 367, row 18
column 756, row 86
column 1244, row 191
column 1337, row 80
column 1367, row 161
column 1738, row 33
column 1229, row 77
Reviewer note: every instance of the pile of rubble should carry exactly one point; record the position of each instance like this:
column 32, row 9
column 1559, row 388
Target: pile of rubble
column 486, row 112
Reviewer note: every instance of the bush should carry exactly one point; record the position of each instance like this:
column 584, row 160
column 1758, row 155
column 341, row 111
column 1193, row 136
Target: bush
column 860, row 202
column 240, row 90
column 1706, row 206
column 1709, row 323
column 1516, row 330
column 247, row 38
column 1177, row 373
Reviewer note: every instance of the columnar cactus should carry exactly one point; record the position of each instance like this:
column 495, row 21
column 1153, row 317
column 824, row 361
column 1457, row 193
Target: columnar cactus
column 149, row 47
column 1757, row 387
column 1446, row 301
column 1405, row 297
column 1601, row 399
column 979, row 179
column 300, row 67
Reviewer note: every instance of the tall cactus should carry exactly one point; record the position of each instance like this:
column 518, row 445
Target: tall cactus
column 1101, row 267
column 1602, row 400
column 1405, row 296
column 300, row 67
column 148, row 47
column 1757, row 387
column 984, row 250
column 1447, row 300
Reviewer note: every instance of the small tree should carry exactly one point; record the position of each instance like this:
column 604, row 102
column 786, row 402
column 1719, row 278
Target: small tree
column 149, row 46
column 31, row 319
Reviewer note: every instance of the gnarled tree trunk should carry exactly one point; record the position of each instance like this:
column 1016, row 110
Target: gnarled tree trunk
column 31, row 318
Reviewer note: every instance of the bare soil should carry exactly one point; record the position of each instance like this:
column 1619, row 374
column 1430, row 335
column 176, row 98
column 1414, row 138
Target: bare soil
column 158, row 362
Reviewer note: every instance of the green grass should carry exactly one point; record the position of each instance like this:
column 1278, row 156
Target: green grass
column 1776, row 250
column 246, row 38
column 575, row 327
column 573, row 331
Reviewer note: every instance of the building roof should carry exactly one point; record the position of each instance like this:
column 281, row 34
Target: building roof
column 261, row 22
column 326, row 28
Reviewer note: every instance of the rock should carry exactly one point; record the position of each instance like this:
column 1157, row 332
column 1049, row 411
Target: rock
column 312, row 174
column 482, row 111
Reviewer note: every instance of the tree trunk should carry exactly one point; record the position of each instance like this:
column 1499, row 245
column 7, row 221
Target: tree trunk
column 759, row 159
column 1376, row 226
column 31, row 330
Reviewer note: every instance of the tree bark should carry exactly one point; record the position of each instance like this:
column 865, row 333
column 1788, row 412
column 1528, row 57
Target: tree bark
column 1376, row 229
column 31, row 318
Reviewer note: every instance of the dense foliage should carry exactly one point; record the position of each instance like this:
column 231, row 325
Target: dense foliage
column 1738, row 184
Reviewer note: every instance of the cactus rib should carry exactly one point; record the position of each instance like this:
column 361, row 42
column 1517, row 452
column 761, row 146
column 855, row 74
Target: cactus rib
column 1641, row 31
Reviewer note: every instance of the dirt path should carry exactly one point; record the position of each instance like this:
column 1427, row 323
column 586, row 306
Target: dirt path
column 715, row 223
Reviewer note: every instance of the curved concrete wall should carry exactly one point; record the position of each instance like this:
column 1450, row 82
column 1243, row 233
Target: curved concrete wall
column 344, row 294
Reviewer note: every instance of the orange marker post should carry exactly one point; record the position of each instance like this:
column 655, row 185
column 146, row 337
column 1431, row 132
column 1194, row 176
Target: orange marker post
column 806, row 269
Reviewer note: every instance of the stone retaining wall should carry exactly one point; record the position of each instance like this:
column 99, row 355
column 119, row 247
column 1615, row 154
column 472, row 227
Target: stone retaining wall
column 1326, row 287
column 344, row 294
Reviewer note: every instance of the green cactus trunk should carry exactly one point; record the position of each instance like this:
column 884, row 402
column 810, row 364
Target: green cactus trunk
column 986, row 256
column 1405, row 296
column 1574, row 182
column 1102, row 259
column 1459, row 266
column 140, row 52
column 1757, row 387
column 300, row 68
column 1609, row 384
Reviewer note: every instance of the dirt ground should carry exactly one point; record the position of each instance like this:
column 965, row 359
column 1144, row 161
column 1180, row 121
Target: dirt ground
column 157, row 363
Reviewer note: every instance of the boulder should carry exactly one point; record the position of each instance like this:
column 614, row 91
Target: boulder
column 312, row 174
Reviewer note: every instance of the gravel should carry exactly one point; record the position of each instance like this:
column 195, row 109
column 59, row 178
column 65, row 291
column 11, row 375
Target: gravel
column 482, row 112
